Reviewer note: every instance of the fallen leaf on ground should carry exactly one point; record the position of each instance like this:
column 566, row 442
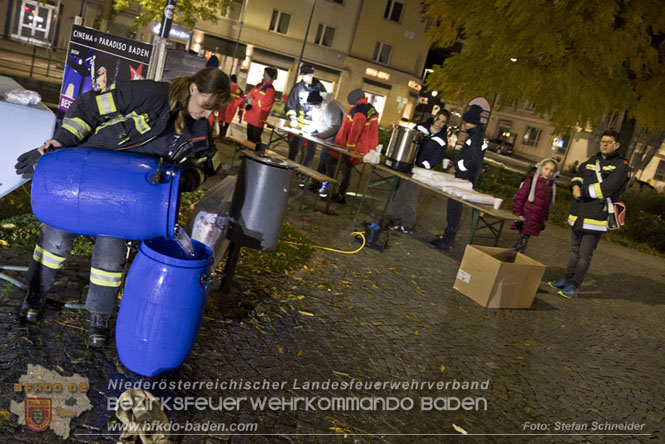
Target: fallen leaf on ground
column 306, row 313
column 459, row 429
column 340, row 373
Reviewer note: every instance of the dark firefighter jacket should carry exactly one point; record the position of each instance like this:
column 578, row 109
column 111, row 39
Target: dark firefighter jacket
column 469, row 159
column 589, row 213
column 135, row 116
column 296, row 104
column 432, row 146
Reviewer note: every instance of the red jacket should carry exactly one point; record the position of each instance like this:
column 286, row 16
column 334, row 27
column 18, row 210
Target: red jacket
column 264, row 98
column 359, row 130
column 535, row 213
column 237, row 103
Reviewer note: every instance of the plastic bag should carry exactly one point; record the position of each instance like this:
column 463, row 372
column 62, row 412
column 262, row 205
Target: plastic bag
column 23, row 97
column 217, row 201
column 372, row 157
column 208, row 227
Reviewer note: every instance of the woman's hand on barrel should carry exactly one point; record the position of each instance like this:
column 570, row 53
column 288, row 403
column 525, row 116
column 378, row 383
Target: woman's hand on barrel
column 48, row 145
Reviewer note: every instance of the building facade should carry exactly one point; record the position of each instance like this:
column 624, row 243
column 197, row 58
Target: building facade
column 377, row 45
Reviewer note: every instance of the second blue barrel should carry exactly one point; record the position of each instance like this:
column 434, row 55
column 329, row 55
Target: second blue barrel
column 162, row 306
column 106, row 193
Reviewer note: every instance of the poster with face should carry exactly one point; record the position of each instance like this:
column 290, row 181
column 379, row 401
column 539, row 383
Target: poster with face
column 96, row 60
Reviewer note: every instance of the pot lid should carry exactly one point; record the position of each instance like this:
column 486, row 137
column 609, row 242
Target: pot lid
column 271, row 161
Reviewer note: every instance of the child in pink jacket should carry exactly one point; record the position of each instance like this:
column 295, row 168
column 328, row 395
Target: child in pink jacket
column 533, row 201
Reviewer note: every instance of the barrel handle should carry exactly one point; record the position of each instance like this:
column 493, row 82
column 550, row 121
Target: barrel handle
column 207, row 279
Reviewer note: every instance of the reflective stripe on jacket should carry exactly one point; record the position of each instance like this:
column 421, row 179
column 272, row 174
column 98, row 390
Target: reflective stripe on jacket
column 589, row 213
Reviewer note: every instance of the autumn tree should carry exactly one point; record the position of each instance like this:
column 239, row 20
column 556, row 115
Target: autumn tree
column 579, row 61
column 187, row 12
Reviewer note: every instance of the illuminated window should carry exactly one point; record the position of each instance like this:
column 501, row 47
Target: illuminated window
column 382, row 53
column 393, row 11
column 531, row 136
column 280, row 21
column 660, row 171
column 324, row 35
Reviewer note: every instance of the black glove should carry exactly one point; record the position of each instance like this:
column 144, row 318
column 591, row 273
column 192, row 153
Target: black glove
column 543, row 227
column 190, row 179
column 520, row 225
column 248, row 107
column 25, row 164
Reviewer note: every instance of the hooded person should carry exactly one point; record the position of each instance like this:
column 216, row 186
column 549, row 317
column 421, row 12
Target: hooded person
column 300, row 114
column 359, row 132
column 533, row 201
column 466, row 165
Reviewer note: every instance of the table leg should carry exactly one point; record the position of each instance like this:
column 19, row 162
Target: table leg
column 304, row 191
column 389, row 199
column 475, row 215
column 498, row 233
column 332, row 185
column 362, row 199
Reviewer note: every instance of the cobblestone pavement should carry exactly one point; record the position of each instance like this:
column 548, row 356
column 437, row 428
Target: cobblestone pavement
column 562, row 371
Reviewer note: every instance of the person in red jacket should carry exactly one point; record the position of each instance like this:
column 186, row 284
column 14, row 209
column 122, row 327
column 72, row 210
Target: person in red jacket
column 533, row 201
column 225, row 115
column 359, row 132
column 259, row 103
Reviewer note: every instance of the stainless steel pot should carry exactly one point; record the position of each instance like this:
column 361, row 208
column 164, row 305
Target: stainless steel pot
column 403, row 148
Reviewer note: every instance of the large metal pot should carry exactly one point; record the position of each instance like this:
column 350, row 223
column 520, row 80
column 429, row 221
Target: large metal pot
column 402, row 148
column 259, row 201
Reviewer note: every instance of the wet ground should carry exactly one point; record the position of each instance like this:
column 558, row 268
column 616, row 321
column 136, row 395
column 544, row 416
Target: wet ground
column 378, row 347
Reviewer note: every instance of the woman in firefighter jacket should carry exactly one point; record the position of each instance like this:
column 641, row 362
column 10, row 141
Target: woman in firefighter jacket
column 140, row 116
column 433, row 146
column 259, row 103
column 359, row 132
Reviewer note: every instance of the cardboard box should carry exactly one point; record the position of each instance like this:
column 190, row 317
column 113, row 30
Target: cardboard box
column 498, row 277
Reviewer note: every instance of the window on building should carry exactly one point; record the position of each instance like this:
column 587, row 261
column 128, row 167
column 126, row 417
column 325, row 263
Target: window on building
column 660, row 171
column 393, row 11
column 280, row 21
column 530, row 106
column 324, row 35
column 382, row 53
column 232, row 10
column 531, row 136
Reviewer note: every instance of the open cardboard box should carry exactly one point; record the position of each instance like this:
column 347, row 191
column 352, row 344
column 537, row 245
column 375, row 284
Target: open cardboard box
column 498, row 277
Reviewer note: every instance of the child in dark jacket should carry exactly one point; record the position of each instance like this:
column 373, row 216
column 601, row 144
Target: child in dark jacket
column 533, row 201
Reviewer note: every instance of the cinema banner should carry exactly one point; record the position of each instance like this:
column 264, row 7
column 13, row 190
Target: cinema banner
column 96, row 60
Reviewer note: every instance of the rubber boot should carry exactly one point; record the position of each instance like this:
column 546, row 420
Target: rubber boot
column 31, row 307
column 98, row 331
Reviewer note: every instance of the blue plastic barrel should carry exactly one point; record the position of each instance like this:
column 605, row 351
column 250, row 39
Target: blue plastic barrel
column 105, row 193
column 162, row 306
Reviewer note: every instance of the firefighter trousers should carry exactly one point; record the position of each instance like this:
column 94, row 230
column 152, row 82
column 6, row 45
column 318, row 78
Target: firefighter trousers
column 108, row 262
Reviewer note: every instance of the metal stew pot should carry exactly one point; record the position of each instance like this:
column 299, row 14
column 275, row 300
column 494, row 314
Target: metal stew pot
column 403, row 148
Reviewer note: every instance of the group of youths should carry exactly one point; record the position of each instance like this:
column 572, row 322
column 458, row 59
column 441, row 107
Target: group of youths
column 175, row 121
